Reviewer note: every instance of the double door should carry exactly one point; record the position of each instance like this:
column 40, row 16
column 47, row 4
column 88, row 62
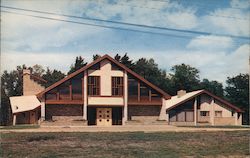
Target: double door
column 103, row 116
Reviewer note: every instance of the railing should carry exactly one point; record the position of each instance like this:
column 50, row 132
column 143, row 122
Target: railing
column 133, row 99
column 63, row 96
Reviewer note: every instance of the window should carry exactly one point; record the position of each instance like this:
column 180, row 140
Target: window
column 115, row 67
column 144, row 90
column 64, row 91
column 132, row 87
column 204, row 113
column 117, row 86
column 218, row 113
column 94, row 85
column 95, row 67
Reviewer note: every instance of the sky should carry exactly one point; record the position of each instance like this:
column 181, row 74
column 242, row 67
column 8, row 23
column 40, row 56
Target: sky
column 220, row 53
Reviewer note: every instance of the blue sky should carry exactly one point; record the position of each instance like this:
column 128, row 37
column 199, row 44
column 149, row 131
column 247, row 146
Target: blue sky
column 55, row 44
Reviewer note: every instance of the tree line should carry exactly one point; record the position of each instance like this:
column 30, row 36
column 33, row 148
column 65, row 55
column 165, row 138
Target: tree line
column 179, row 77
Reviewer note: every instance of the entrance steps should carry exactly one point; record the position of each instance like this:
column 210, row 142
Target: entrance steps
column 156, row 122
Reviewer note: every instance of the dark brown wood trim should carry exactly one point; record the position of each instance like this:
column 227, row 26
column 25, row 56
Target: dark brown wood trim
column 83, row 87
column 57, row 95
column 165, row 95
column 70, row 90
column 64, row 102
column 145, row 103
column 139, row 91
column 150, row 95
column 106, row 96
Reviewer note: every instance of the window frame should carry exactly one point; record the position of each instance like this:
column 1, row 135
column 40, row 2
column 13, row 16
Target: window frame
column 204, row 112
column 117, row 87
column 94, row 86
column 216, row 112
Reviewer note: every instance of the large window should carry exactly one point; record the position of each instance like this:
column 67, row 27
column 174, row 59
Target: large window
column 64, row 93
column 117, row 86
column 94, row 85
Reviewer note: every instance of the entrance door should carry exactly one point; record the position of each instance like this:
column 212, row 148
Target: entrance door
column 103, row 116
column 32, row 117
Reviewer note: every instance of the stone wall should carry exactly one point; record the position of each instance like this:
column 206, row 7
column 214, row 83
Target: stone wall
column 30, row 87
column 143, row 114
column 63, row 110
column 224, row 121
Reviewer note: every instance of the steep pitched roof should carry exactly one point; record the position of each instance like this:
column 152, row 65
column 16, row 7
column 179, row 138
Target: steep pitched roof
column 175, row 101
column 165, row 95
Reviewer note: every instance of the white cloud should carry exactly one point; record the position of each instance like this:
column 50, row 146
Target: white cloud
column 213, row 65
column 227, row 21
column 58, row 61
column 210, row 43
column 240, row 3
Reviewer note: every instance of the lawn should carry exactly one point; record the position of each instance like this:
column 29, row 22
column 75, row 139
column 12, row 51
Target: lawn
column 19, row 127
column 126, row 144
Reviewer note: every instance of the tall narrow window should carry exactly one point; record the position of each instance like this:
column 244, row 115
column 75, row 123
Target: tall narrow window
column 117, row 86
column 94, row 85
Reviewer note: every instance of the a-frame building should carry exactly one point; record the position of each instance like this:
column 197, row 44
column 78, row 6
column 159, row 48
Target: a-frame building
column 104, row 92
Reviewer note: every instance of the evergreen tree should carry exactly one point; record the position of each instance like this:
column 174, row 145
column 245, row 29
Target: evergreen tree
column 79, row 63
column 52, row 76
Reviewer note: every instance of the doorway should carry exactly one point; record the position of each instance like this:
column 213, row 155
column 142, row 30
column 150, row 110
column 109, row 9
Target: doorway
column 103, row 116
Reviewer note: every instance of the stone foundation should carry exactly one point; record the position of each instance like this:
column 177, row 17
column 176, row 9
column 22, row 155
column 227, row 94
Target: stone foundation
column 143, row 114
column 63, row 110
column 224, row 121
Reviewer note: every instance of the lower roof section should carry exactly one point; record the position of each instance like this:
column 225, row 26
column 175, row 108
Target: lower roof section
column 24, row 103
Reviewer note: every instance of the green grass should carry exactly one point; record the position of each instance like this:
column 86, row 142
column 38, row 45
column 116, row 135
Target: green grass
column 125, row 144
column 19, row 127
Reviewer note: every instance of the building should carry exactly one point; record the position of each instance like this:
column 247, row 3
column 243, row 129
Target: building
column 105, row 93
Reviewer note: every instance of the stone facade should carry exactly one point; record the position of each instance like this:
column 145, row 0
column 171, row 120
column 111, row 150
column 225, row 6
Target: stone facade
column 30, row 87
column 63, row 110
column 143, row 114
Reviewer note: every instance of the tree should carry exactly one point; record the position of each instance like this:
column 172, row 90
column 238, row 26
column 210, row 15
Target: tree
column 11, row 85
column 185, row 77
column 125, row 60
column 150, row 71
column 237, row 92
column 213, row 87
column 37, row 70
column 79, row 63
column 96, row 56
column 52, row 76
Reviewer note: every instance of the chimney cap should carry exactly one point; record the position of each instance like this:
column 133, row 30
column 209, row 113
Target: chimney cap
column 26, row 71
column 181, row 93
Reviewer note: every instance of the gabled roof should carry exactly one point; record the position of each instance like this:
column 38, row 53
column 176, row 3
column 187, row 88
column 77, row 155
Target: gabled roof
column 24, row 103
column 176, row 101
column 165, row 95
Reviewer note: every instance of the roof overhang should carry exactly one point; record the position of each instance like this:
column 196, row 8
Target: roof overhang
column 164, row 94
column 24, row 103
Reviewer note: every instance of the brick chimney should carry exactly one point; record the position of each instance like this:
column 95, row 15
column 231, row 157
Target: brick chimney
column 181, row 93
column 30, row 86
